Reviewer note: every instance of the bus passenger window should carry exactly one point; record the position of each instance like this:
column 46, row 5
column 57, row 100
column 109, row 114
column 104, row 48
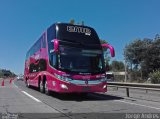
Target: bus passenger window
column 31, row 68
column 53, row 60
column 43, row 43
column 42, row 65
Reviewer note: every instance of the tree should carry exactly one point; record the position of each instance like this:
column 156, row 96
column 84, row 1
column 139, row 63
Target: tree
column 72, row 21
column 155, row 77
column 6, row 73
column 1, row 74
column 103, row 41
column 117, row 65
column 143, row 55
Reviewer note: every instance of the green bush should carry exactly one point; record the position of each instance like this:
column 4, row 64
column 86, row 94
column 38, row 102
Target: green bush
column 155, row 77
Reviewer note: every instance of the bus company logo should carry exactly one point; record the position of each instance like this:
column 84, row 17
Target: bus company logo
column 86, row 81
column 77, row 29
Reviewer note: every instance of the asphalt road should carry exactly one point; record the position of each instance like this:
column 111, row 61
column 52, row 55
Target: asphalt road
column 18, row 100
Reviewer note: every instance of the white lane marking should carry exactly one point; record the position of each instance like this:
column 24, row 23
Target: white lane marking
column 15, row 85
column 31, row 96
column 138, row 104
column 2, row 86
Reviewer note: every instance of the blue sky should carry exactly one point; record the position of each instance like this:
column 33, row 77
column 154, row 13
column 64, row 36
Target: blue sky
column 117, row 21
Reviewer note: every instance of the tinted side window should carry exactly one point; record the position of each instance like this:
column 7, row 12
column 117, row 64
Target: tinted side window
column 33, row 68
column 53, row 60
column 43, row 39
column 42, row 65
column 50, row 36
column 37, row 45
column 51, row 33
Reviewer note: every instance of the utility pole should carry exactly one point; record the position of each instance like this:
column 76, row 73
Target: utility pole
column 125, row 65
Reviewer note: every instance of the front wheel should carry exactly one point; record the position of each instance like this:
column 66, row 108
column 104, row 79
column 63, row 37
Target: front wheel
column 47, row 91
column 41, row 86
column 27, row 83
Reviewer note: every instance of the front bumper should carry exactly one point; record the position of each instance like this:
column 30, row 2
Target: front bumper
column 67, row 87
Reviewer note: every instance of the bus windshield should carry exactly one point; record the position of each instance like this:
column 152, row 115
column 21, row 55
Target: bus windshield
column 77, row 60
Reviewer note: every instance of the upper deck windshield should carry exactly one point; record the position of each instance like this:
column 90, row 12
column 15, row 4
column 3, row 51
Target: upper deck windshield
column 78, row 34
column 76, row 60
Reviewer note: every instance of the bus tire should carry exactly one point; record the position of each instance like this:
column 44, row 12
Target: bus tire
column 41, row 86
column 47, row 91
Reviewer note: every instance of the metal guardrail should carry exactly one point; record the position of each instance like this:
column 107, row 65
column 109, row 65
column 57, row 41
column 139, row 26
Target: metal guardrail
column 141, row 86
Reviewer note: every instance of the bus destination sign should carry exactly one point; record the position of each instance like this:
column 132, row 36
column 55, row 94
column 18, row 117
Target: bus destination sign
column 77, row 29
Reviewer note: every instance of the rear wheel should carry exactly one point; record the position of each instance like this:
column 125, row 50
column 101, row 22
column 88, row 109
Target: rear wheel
column 47, row 91
column 41, row 86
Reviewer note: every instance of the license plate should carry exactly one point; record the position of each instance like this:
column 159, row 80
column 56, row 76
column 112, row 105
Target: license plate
column 86, row 88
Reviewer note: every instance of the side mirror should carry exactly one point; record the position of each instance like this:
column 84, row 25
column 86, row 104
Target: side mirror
column 56, row 45
column 110, row 48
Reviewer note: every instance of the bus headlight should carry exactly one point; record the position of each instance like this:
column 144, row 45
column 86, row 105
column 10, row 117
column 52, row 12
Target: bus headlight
column 67, row 79
column 64, row 86
column 105, row 86
column 63, row 78
column 103, row 79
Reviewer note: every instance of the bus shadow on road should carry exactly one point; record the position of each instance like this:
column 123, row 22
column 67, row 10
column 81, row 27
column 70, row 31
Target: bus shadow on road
column 85, row 97
column 82, row 96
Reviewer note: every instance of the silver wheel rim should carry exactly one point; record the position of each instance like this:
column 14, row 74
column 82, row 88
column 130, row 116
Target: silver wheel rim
column 46, row 87
column 27, row 83
column 41, row 86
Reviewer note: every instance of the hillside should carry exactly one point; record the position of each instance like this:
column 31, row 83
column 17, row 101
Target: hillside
column 6, row 73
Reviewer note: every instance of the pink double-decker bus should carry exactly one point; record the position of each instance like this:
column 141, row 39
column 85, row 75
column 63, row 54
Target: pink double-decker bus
column 67, row 58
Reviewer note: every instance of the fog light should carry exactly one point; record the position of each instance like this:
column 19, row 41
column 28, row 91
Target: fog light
column 64, row 86
column 105, row 86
